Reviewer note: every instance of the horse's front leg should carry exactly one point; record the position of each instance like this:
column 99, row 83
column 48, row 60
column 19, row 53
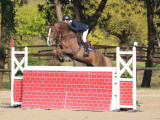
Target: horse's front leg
column 58, row 53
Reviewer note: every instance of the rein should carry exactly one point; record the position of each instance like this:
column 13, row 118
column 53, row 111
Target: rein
column 69, row 36
column 49, row 34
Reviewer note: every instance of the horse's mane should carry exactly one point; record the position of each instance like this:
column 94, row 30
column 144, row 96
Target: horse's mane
column 63, row 25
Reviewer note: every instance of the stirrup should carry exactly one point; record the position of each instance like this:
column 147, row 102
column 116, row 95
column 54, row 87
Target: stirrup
column 86, row 53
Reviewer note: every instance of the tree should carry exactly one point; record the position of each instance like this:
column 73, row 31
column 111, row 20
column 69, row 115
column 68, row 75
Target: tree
column 77, row 9
column 7, row 28
column 121, row 19
column 151, row 5
column 158, row 23
column 58, row 10
column 21, row 2
column 97, row 14
column 29, row 22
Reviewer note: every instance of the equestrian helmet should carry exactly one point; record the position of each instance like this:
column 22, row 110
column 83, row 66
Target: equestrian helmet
column 65, row 17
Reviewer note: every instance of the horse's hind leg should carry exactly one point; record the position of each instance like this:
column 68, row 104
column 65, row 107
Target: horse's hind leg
column 102, row 61
column 108, row 62
column 98, row 60
column 105, row 62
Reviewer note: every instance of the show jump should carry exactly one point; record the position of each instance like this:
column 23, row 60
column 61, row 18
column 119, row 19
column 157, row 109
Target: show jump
column 74, row 88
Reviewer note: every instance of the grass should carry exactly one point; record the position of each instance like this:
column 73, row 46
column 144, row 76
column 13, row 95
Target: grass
column 6, row 83
column 66, row 64
column 155, row 82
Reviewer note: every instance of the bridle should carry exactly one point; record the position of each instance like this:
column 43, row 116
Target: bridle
column 50, row 30
column 49, row 35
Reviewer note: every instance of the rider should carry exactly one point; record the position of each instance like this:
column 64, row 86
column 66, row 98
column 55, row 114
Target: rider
column 77, row 26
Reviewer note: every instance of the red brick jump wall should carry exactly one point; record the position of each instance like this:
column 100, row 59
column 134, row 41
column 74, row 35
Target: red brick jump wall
column 18, row 90
column 73, row 90
column 126, row 93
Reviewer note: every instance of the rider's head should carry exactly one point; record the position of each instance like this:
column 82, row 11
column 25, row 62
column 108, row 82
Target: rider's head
column 66, row 18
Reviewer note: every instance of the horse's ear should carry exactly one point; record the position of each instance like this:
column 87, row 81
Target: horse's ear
column 50, row 23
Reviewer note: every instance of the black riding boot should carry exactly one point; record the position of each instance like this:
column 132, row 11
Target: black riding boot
column 86, row 53
column 79, row 41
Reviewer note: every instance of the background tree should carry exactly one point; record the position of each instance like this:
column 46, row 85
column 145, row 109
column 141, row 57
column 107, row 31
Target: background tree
column 30, row 23
column 21, row 2
column 77, row 9
column 158, row 23
column 122, row 21
column 7, row 28
column 97, row 14
column 151, row 6
column 58, row 10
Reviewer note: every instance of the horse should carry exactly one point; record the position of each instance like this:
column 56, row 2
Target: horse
column 69, row 46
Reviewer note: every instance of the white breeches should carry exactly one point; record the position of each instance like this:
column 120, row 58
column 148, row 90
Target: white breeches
column 85, row 34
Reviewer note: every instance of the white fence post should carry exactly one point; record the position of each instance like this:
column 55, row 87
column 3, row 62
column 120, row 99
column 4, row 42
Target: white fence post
column 15, row 67
column 12, row 76
column 118, row 76
column 134, row 79
column 132, row 71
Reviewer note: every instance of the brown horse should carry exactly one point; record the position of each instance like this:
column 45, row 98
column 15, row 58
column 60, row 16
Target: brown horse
column 69, row 46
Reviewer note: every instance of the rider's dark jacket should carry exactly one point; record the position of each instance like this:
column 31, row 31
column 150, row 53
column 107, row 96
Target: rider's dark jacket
column 77, row 26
